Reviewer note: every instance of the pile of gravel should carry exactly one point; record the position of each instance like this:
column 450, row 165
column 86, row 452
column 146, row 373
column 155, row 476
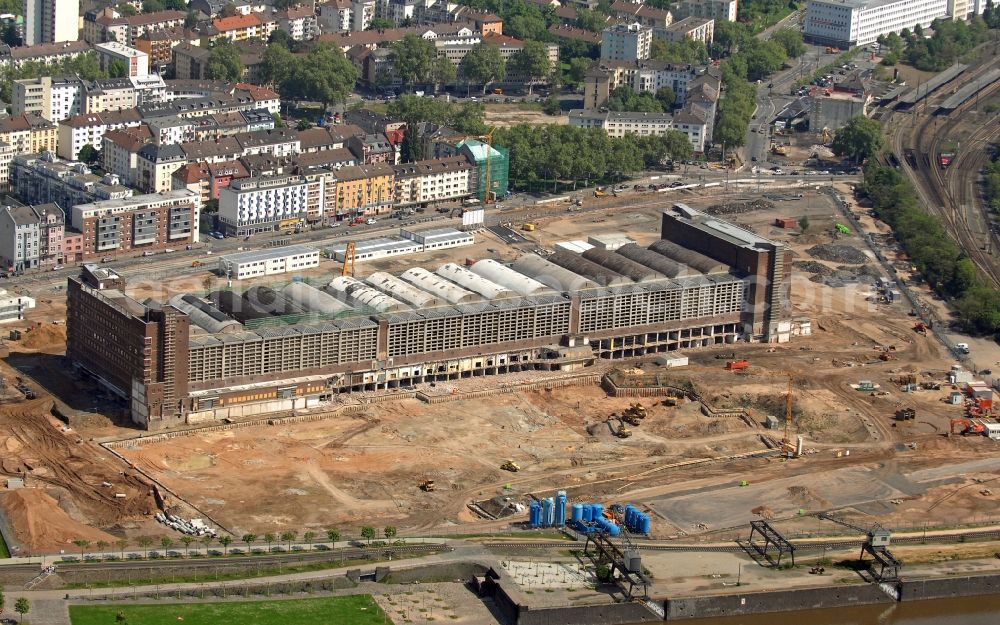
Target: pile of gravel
column 739, row 208
column 838, row 253
column 811, row 266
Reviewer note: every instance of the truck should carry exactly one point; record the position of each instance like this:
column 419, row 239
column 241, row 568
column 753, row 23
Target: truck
column 737, row 365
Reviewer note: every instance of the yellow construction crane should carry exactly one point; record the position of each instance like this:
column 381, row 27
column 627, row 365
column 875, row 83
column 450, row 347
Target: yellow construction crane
column 349, row 254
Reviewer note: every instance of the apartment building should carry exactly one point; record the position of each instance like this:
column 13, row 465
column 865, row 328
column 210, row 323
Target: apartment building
column 107, row 25
column 28, row 134
column 136, row 62
column 50, row 21
column 143, row 222
column 299, row 22
column 718, row 10
column 171, row 130
column 44, row 179
column 6, row 157
column 120, row 151
column 159, row 44
column 621, row 123
column 53, row 97
column 456, row 49
column 78, row 131
column 849, row 23
column 642, row 76
column 241, row 28
column 632, row 12
column 155, row 164
column 277, row 142
column 626, row 42
column 31, row 236
column 432, row 181
column 694, row 28
column 363, row 191
column 270, row 203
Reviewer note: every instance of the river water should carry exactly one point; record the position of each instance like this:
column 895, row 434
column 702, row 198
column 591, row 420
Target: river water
column 983, row 610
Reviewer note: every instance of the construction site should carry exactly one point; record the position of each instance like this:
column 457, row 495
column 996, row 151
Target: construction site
column 702, row 436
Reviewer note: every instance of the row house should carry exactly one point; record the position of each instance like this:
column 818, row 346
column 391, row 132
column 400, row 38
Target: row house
column 193, row 177
column 270, row 203
column 277, row 142
column 108, row 24
column 327, row 137
column 6, row 156
column 645, row 15
column 373, row 148
column 211, row 127
column 148, row 222
column 43, row 54
column 155, row 166
column 31, row 236
column 700, row 29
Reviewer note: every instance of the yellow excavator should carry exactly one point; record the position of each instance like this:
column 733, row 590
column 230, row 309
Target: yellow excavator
column 511, row 466
column 623, row 432
column 636, row 410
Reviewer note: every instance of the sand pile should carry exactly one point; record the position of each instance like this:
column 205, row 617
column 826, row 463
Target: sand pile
column 44, row 337
column 40, row 523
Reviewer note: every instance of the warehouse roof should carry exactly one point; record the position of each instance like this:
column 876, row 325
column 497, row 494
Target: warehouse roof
column 269, row 254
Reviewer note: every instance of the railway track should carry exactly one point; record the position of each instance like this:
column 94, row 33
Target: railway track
column 265, row 561
column 951, row 193
column 735, row 548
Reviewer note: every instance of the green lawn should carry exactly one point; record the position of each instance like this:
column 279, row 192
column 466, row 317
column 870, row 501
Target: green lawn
column 349, row 610
column 4, row 553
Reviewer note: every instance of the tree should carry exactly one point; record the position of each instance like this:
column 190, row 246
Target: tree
column 380, row 23
column 187, row 540
column 552, row 106
column 277, row 63
column 225, row 540
column 677, row 145
column 804, row 223
column 10, row 35
column 333, row 536
column 666, row 97
column 152, row 6
column 577, row 71
column 83, row 545
column 288, row 537
column 859, row 140
column 413, row 60
column 309, row 537
column 269, row 538
column 623, row 98
column 368, row 533
column 249, row 539
column 684, row 51
column 122, row 543
column 102, row 546
column 228, row 10
column 224, row 62
column 389, row 531
column 166, row 542
column 278, row 122
column 791, row 40
column 324, row 75
column 483, row 64
column 532, row 61
column 21, row 606
column 591, row 20
column 303, row 124
column 126, row 10
column 144, row 542
column 120, row 618
column 206, row 541
column 88, row 154
column 730, row 131
column 412, row 149
column 443, row 72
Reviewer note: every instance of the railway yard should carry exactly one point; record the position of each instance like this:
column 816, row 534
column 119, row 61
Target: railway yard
column 679, row 463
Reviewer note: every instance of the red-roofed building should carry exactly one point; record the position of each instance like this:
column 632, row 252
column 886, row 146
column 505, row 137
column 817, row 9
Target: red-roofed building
column 242, row 27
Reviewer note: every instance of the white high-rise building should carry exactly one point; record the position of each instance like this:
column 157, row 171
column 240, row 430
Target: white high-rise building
column 848, row 23
column 51, row 21
column 626, row 42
